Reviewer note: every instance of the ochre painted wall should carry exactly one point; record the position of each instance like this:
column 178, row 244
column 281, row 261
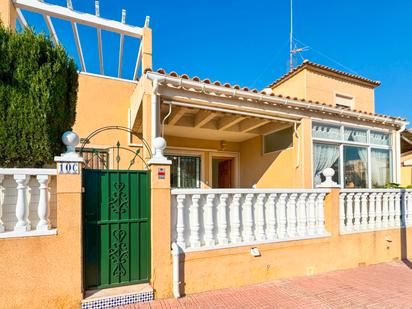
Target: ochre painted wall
column 104, row 102
column 46, row 271
column 406, row 170
column 293, row 87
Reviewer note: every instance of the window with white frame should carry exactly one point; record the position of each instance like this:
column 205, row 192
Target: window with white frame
column 360, row 157
column 343, row 100
column 185, row 171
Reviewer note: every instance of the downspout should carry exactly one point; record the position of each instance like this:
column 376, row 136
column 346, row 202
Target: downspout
column 176, row 270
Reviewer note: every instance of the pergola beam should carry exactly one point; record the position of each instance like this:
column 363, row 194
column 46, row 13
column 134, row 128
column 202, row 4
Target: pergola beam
column 78, row 46
column 52, row 31
column 138, row 60
column 203, row 117
column 21, row 19
column 99, row 39
column 229, row 121
column 119, row 69
column 250, row 124
column 77, row 17
column 176, row 115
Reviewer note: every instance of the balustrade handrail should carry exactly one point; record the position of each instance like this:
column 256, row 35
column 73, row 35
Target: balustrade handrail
column 375, row 190
column 28, row 171
column 246, row 191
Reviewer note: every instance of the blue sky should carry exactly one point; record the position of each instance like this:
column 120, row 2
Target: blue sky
column 246, row 42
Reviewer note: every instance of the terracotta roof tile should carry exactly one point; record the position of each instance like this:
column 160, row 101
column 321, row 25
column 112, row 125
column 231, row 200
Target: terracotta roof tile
column 309, row 64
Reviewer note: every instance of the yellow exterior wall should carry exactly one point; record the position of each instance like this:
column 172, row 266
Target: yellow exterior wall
column 406, row 170
column 104, row 102
column 322, row 88
column 8, row 14
column 234, row 267
column 46, row 271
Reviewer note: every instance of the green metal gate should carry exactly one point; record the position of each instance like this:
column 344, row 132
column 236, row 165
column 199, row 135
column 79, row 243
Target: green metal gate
column 116, row 227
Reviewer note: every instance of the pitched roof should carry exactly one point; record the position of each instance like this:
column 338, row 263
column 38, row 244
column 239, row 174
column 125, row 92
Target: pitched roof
column 306, row 64
column 339, row 110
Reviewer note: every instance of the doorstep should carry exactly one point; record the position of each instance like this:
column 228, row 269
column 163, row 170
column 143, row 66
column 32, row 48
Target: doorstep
column 113, row 297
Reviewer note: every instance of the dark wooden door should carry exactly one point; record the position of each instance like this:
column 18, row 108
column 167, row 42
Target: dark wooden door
column 225, row 174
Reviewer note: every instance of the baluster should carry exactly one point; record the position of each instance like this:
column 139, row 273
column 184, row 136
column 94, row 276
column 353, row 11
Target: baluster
column 2, row 190
column 270, row 205
column 378, row 210
column 180, row 221
column 281, row 215
column 385, row 209
column 397, row 209
column 208, row 211
column 311, row 215
column 222, row 222
column 194, row 222
column 409, row 208
column 291, row 212
column 43, row 207
column 372, row 211
column 22, row 207
column 301, row 213
column 320, row 215
column 356, row 212
column 235, row 236
column 248, row 219
column 391, row 210
column 349, row 212
column 364, row 211
column 260, row 217
column 342, row 215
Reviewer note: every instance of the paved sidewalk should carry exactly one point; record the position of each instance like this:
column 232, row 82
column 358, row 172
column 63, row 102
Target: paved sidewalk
column 387, row 285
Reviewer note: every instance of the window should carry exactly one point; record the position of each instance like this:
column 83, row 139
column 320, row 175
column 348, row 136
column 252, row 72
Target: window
column 355, row 166
column 343, row 100
column 278, row 140
column 185, row 172
column 360, row 157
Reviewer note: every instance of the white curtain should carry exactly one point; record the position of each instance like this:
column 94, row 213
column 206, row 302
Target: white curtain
column 380, row 167
column 324, row 156
column 360, row 136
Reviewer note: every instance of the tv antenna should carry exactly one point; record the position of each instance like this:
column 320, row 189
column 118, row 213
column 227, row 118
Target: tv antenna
column 292, row 48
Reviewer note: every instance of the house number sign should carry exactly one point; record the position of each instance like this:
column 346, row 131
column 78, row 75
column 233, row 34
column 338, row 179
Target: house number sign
column 161, row 173
column 69, row 168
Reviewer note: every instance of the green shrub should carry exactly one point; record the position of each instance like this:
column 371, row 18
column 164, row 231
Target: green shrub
column 38, row 94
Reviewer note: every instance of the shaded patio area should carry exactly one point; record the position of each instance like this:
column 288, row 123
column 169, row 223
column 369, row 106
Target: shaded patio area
column 386, row 285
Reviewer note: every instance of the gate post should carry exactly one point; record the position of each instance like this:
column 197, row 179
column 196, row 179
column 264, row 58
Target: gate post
column 161, row 272
column 69, row 213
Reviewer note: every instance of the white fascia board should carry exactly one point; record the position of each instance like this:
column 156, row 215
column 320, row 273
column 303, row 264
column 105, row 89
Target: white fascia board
column 77, row 17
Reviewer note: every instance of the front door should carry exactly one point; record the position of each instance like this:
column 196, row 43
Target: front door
column 116, row 225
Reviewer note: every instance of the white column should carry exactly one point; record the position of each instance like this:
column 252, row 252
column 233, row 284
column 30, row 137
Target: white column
column 320, row 215
column 281, row 215
column 378, row 210
column 291, row 211
column 349, row 212
column 364, row 211
column 356, row 212
column 409, row 208
column 22, row 207
column 194, row 221
column 342, row 215
column 235, row 236
column 2, row 190
column 398, row 209
column 248, row 219
column 301, row 214
column 270, row 205
column 43, row 207
column 385, row 209
column 260, row 217
column 222, row 220
column 391, row 209
column 180, row 222
column 208, row 210
column 311, row 214
column 372, row 211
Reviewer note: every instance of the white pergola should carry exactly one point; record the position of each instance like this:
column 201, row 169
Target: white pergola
column 75, row 18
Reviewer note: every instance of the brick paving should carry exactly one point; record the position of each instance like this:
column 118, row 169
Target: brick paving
column 387, row 285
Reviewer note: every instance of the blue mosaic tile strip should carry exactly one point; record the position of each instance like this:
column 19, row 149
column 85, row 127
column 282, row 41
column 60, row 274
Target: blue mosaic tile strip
column 115, row 301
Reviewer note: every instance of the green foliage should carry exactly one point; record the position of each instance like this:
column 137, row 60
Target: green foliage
column 38, row 94
column 393, row 185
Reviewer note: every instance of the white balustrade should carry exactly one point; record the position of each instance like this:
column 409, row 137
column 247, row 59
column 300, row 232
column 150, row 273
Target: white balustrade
column 25, row 201
column 363, row 210
column 215, row 218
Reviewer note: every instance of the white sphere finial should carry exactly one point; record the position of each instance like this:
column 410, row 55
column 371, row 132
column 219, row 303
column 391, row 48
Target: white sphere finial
column 328, row 172
column 71, row 140
column 328, row 183
column 159, row 143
